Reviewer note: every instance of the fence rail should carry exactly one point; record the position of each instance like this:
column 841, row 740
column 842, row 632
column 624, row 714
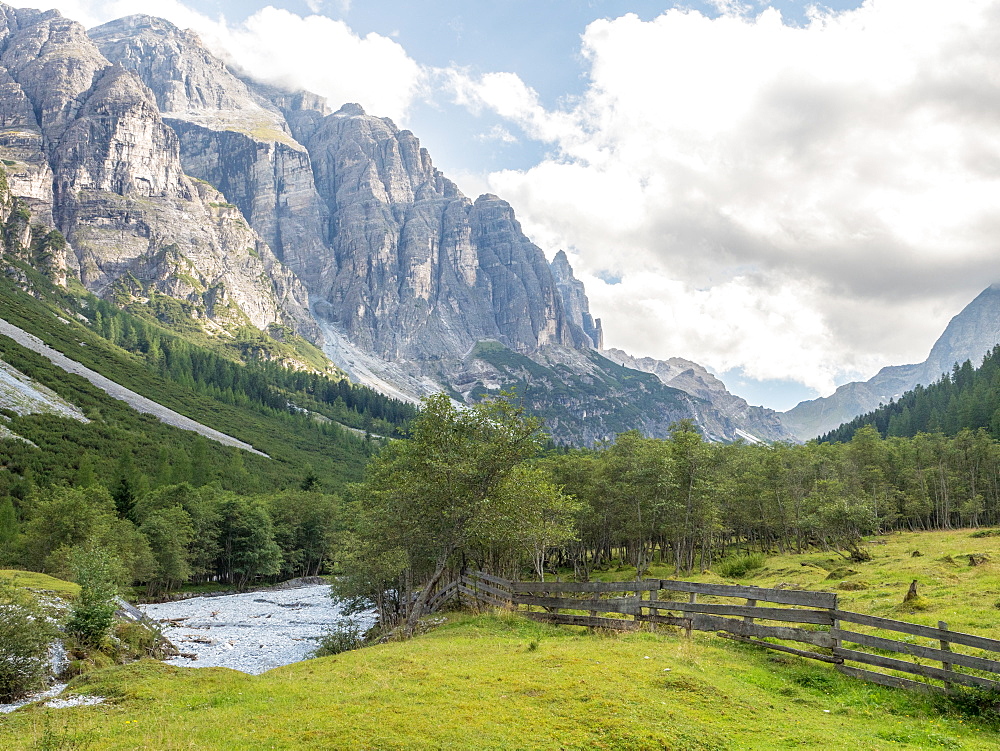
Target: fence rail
column 818, row 623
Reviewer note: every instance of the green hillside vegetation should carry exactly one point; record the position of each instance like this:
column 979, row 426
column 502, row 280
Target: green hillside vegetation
column 621, row 397
column 171, row 506
column 40, row 583
column 966, row 399
column 498, row 681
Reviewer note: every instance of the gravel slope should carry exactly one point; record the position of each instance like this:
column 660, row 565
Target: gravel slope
column 134, row 400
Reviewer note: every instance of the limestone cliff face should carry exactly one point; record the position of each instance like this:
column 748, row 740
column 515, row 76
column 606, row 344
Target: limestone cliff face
column 229, row 136
column 416, row 270
column 170, row 175
column 586, row 329
column 89, row 153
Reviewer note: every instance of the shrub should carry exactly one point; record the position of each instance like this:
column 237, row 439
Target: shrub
column 93, row 613
column 24, row 647
column 343, row 637
column 736, row 567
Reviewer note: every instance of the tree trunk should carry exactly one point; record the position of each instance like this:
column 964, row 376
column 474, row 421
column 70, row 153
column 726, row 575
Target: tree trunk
column 417, row 609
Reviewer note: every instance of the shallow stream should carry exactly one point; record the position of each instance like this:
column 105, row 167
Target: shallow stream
column 251, row 632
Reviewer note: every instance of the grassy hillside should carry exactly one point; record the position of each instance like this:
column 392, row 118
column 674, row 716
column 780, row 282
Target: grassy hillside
column 501, row 682
column 40, row 583
column 967, row 597
column 301, row 433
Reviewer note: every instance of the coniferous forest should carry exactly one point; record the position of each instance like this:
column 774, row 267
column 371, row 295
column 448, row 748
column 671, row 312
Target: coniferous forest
column 966, row 398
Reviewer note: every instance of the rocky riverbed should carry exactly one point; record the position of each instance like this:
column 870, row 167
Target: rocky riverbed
column 251, row 632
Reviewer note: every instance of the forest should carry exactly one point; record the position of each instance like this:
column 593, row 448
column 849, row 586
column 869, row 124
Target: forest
column 476, row 486
column 966, row 398
column 682, row 501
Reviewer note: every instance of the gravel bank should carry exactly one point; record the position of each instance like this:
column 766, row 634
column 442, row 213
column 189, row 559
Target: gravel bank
column 251, row 632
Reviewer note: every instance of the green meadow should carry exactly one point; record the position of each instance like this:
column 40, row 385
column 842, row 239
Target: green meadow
column 498, row 681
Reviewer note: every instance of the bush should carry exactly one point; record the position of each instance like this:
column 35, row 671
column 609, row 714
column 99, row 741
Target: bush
column 27, row 634
column 93, row 613
column 342, row 637
column 736, row 567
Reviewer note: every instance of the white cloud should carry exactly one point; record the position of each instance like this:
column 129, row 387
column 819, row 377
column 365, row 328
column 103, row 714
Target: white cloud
column 806, row 202
column 497, row 133
column 277, row 46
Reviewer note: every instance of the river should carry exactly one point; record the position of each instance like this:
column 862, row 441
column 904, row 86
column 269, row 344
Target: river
column 251, row 632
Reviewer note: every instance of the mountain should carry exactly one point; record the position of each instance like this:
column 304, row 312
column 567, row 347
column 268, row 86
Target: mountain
column 753, row 424
column 967, row 399
column 970, row 335
column 163, row 181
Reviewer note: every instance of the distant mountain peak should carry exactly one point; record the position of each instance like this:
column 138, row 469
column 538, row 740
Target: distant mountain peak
column 969, row 336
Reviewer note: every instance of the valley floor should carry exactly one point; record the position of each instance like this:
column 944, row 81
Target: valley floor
column 498, row 681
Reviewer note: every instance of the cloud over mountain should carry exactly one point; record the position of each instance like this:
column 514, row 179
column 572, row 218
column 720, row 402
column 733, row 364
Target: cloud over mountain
column 789, row 199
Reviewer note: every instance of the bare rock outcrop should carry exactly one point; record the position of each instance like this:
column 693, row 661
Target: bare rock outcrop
column 730, row 418
column 87, row 150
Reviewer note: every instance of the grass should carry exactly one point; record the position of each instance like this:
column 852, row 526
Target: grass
column 501, row 682
column 967, row 597
column 41, row 583
column 498, row 681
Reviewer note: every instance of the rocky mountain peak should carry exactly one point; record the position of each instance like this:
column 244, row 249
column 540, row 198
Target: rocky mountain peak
column 351, row 109
column 587, row 329
column 189, row 81
column 968, row 336
column 52, row 60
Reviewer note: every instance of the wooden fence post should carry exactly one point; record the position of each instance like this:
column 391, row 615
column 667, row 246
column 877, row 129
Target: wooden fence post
column 835, row 626
column 945, row 646
column 747, row 619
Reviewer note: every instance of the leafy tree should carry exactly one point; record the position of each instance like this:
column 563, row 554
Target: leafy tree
column 540, row 516
column 246, row 542
column 305, row 527
column 8, row 525
column 170, row 534
column 426, row 500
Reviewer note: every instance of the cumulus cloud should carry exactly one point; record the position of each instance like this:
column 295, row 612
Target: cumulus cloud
column 279, row 47
column 806, row 201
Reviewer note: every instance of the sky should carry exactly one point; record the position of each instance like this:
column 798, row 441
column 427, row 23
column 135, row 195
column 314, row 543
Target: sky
column 791, row 194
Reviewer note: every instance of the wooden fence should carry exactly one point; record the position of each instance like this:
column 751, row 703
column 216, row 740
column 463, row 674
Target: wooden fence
column 811, row 620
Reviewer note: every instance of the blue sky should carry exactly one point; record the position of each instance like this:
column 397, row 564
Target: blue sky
column 793, row 195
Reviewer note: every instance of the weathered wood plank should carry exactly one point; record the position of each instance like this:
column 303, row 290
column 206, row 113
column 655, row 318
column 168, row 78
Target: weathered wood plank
column 929, row 653
column 625, row 605
column 882, row 679
column 819, row 617
column 781, row 596
column 667, row 620
column 887, row 624
column 485, row 588
column 566, row 619
column 789, row 650
column 443, row 596
column 633, row 586
column 702, row 622
column 927, row 671
column 492, row 579
column 484, row 597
